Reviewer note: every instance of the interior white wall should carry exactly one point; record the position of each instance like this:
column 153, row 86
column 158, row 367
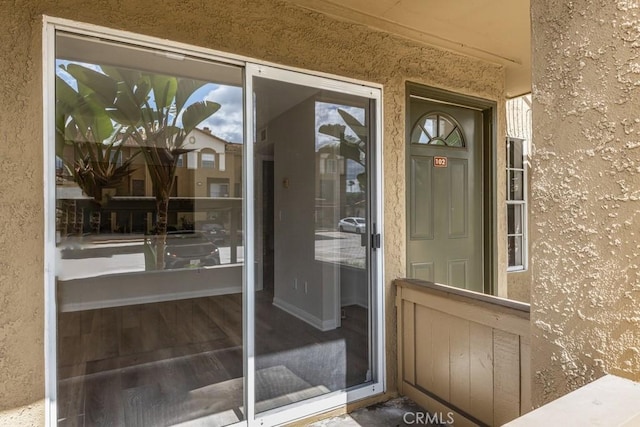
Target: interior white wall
column 302, row 286
column 296, row 284
column 148, row 287
column 354, row 287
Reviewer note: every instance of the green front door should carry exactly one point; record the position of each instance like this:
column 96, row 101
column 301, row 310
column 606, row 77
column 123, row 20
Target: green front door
column 445, row 202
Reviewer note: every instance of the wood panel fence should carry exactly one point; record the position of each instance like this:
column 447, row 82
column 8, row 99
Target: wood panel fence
column 462, row 353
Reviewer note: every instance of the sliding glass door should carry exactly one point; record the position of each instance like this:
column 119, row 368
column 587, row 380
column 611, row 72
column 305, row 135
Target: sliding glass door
column 213, row 231
column 313, row 238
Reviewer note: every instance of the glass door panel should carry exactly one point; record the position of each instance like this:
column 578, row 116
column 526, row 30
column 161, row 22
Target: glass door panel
column 312, row 222
column 149, row 243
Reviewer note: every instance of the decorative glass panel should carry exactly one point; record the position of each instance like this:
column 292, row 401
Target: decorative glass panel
column 431, row 127
column 445, row 127
column 454, row 139
column 437, row 129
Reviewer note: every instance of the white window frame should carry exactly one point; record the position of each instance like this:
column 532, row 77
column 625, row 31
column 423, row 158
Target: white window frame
column 221, row 186
column 210, row 162
column 523, row 203
column 253, row 68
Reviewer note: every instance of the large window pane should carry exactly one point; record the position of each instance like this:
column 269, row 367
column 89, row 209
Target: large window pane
column 149, row 237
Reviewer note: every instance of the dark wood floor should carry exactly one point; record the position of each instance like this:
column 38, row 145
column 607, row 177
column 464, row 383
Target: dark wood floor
column 164, row 363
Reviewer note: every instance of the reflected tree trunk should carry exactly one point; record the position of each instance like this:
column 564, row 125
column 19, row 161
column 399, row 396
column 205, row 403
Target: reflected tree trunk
column 162, row 216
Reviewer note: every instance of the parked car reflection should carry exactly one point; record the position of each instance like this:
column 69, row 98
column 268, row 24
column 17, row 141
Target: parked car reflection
column 216, row 233
column 352, row 224
column 189, row 248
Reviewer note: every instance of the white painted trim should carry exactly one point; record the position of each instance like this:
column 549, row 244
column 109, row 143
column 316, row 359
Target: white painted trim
column 315, row 81
column 323, row 325
column 48, row 149
column 119, row 302
column 378, row 304
column 345, row 302
column 249, row 277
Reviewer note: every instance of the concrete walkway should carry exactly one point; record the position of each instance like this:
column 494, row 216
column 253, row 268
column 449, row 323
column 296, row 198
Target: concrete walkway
column 398, row 412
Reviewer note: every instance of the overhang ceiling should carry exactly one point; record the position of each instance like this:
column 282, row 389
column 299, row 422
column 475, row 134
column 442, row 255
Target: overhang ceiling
column 497, row 31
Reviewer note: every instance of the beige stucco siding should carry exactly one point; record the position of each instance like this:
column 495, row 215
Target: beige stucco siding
column 519, row 286
column 263, row 29
column 21, row 222
column 585, row 194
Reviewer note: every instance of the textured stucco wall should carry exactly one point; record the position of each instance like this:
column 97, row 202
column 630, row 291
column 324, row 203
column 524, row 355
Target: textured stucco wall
column 586, row 193
column 519, row 286
column 263, row 29
column 21, row 226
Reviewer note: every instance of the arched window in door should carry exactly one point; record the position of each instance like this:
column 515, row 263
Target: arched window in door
column 437, row 129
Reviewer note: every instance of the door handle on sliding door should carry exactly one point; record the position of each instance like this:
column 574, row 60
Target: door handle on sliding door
column 375, row 238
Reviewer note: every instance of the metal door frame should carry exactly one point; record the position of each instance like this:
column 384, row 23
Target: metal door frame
column 335, row 399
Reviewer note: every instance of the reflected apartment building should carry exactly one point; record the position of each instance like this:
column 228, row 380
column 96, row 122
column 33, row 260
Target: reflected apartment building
column 206, row 190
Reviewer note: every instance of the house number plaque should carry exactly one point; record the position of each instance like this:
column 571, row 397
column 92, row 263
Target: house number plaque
column 439, row 162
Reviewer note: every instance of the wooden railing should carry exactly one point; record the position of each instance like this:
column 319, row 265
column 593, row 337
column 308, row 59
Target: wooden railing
column 462, row 354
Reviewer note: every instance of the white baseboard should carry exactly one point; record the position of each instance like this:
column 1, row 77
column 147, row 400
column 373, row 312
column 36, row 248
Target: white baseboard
column 293, row 310
column 147, row 299
column 353, row 301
